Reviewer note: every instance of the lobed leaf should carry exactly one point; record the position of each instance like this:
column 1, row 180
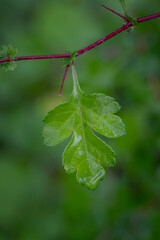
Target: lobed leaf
column 61, row 123
column 86, row 154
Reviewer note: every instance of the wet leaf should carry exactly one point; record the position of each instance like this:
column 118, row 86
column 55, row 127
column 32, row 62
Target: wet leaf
column 86, row 154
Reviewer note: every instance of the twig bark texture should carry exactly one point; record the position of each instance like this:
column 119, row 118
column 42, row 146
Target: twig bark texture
column 126, row 26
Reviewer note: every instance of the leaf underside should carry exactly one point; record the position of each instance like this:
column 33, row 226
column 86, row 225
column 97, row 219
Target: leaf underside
column 86, row 154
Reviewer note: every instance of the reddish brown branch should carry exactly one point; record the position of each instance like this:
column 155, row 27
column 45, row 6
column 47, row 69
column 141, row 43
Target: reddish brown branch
column 85, row 49
column 150, row 17
column 36, row 57
column 111, row 35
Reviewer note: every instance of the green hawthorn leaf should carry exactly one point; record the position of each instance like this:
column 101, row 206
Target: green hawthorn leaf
column 61, row 122
column 86, row 154
column 98, row 110
column 100, row 103
column 108, row 125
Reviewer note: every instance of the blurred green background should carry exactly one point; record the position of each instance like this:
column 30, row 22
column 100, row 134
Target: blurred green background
column 38, row 200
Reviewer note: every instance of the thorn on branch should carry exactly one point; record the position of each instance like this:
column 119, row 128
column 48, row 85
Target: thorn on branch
column 64, row 78
column 120, row 15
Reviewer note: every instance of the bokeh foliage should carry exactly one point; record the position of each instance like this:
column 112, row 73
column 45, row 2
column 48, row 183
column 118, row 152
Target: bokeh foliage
column 38, row 200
